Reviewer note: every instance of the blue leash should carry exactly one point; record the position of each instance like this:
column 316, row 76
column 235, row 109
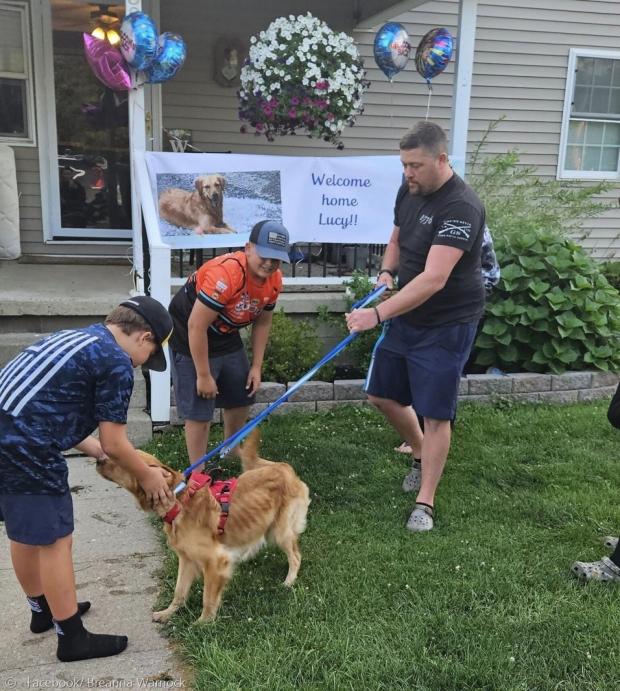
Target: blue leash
column 224, row 447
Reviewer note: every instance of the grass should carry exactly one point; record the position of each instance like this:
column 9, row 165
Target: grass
column 484, row 601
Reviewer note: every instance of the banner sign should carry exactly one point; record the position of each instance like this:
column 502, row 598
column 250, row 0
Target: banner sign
column 213, row 200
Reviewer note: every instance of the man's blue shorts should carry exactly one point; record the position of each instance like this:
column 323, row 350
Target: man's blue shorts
column 230, row 371
column 37, row 519
column 421, row 366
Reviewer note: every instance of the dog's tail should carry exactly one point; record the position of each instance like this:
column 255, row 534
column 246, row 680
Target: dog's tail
column 248, row 452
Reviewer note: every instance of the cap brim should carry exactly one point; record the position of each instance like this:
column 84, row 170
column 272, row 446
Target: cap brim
column 157, row 361
column 270, row 253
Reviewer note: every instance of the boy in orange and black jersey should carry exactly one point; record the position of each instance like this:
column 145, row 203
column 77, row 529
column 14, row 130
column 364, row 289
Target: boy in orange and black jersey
column 208, row 362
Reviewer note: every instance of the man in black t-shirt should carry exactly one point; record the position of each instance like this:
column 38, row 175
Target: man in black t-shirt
column 435, row 249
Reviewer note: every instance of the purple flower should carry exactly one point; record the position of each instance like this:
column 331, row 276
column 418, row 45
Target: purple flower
column 294, row 101
column 292, row 113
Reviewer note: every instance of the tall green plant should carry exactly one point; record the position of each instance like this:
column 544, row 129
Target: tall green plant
column 553, row 309
column 517, row 200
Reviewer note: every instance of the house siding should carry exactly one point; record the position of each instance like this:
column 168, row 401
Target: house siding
column 521, row 59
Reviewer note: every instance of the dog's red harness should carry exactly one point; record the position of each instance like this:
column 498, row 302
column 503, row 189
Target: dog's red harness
column 221, row 490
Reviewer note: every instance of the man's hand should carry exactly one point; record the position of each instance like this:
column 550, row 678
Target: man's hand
column 385, row 279
column 153, row 482
column 206, row 386
column 253, row 381
column 361, row 319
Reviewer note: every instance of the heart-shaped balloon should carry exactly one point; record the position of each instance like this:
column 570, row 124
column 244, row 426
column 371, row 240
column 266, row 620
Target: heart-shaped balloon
column 138, row 40
column 168, row 60
column 107, row 63
column 392, row 48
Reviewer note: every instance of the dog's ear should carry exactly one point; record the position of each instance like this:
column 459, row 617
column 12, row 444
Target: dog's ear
column 222, row 180
column 199, row 183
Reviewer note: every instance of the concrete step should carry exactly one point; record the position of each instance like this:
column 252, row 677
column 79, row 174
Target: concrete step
column 13, row 343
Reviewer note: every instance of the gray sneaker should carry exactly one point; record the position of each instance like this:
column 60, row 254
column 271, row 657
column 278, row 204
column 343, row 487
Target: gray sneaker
column 413, row 480
column 610, row 541
column 604, row 570
column 421, row 519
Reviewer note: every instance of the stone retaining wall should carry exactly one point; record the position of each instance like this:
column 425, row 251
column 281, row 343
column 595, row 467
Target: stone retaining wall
column 569, row 387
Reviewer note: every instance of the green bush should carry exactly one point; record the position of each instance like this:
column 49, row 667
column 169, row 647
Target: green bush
column 611, row 271
column 293, row 348
column 358, row 353
column 553, row 309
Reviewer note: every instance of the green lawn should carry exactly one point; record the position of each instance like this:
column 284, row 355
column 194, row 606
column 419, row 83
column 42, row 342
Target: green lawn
column 484, row 601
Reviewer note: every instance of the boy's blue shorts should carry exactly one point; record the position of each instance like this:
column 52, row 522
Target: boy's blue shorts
column 37, row 519
column 230, row 371
column 421, row 366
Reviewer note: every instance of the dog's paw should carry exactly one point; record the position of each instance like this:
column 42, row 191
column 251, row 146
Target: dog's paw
column 199, row 230
column 162, row 616
column 204, row 620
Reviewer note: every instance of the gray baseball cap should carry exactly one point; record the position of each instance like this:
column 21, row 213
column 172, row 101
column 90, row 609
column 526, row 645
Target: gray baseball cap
column 271, row 240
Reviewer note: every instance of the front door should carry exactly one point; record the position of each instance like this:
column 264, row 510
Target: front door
column 87, row 130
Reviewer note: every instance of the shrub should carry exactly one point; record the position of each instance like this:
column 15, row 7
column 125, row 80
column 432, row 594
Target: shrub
column 553, row 309
column 611, row 271
column 517, row 200
column 358, row 353
column 293, row 348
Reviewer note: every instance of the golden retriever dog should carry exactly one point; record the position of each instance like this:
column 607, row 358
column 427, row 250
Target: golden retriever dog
column 270, row 503
column 200, row 210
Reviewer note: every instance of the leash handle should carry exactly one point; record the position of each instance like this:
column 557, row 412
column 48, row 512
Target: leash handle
column 225, row 446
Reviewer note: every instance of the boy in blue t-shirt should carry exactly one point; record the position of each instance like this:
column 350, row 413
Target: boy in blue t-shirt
column 53, row 395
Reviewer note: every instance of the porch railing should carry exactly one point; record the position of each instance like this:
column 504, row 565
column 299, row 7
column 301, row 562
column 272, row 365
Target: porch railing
column 308, row 261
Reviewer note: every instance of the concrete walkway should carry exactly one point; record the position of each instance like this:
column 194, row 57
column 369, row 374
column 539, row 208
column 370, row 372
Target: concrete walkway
column 117, row 556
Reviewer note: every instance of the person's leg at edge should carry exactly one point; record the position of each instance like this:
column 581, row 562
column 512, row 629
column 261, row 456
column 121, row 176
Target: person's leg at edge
column 435, row 448
column 196, row 439
column 56, row 578
column 27, row 566
column 615, row 557
column 403, row 419
column 234, row 419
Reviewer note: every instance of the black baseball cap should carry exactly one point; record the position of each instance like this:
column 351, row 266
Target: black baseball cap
column 157, row 317
column 271, row 240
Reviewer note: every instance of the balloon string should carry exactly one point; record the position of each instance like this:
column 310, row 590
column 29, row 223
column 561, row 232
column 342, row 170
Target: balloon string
column 428, row 103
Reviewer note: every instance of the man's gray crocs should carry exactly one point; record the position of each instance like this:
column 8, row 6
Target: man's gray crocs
column 413, row 479
column 610, row 541
column 421, row 519
column 604, row 570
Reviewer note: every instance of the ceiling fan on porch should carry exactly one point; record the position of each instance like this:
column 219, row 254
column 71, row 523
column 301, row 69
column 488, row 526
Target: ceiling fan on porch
column 106, row 24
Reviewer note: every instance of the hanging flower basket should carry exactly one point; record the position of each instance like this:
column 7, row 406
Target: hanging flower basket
column 302, row 76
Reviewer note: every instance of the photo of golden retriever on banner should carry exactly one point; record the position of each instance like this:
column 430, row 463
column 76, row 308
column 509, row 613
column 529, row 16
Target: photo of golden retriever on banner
column 202, row 210
column 214, row 205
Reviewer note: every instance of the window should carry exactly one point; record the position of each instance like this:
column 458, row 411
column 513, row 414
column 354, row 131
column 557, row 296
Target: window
column 590, row 143
column 16, row 95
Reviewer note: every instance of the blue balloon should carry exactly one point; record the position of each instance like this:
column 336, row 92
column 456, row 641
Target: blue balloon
column 392, row 48
column 434, row 53
column 138, row 40
column 168, row 60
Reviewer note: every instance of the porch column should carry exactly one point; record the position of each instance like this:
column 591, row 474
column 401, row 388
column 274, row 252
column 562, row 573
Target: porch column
column 137, row 143
column 461, row 90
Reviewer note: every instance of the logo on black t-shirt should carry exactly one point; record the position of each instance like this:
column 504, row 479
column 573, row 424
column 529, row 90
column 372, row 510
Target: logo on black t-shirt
column 456, row 229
